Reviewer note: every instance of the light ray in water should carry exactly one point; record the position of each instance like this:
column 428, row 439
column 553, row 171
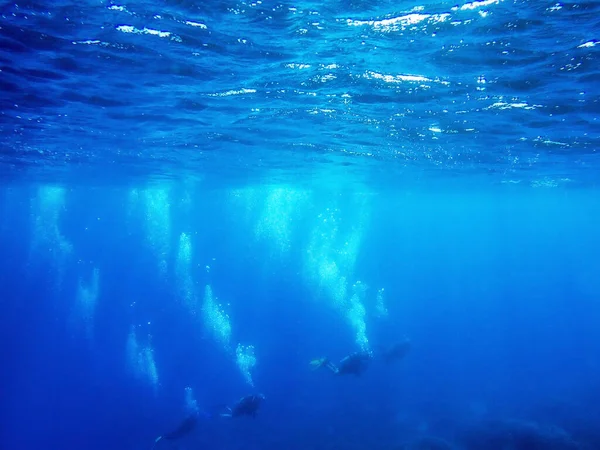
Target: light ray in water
column 87, row 299
column 48, row 243
column 246, row 360
column 158, row 224
column 191, row 404
column 380, row 308
column 331, row 259
column 140, row 359
column 356, row 315
column 216, row 319
column 280, row 210
column 183, row 269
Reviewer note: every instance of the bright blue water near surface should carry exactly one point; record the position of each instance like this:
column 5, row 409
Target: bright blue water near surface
column 198, row 199
column 505, row 89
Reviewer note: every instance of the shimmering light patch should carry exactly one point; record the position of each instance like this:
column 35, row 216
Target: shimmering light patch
column 361, row 153
column 397, row 78
column 326, row 78
column 475, row 5
column 87, row 299
column 410, row 19
column 216, row 319
column 134, row 30
column 544, row 183
column 435, row 129
column 321, row 111
column 246, row 360
column 128, row 29
column 184, row 275
column 400, row 23
column 158, row 33
column 504, row 105
column 589, row 44
column 117, row 8
column 297, row 66
column 88, row 42
column 158, row 223
column 48, row 241
column 550, row 142
column 233, row 92
column 281, row 206
column 196, row 24
column 404, row 78
column 191, row 405
column 141, row 359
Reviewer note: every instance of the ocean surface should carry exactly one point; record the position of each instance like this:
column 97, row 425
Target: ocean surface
column 338, row 225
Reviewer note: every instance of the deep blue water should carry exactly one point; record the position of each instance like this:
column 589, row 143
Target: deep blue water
column 198, row 199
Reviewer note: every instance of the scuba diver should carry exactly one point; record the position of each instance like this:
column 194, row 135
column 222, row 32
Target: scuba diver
column 185, row 427
column 246, row 406
column 354, row 364
column 397, row 351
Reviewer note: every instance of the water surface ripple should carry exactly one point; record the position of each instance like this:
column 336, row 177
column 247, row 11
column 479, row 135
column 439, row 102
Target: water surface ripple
column 504, row 89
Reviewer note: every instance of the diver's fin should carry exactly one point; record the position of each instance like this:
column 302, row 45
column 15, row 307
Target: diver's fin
column 318, row 363
column 156, row 441
column 227, row 414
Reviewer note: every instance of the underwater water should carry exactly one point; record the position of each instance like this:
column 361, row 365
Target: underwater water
column 381, row 216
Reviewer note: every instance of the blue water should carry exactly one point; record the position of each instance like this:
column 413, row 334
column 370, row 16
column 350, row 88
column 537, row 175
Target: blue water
column 199, row 199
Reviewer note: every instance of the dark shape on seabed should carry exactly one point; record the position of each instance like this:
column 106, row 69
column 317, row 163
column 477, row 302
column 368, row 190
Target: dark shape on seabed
column 246, row 406
column 185, row 427
column 517, row 435
column 428, row 443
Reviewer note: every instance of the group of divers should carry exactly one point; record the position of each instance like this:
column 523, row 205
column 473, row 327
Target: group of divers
column 354, row 364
